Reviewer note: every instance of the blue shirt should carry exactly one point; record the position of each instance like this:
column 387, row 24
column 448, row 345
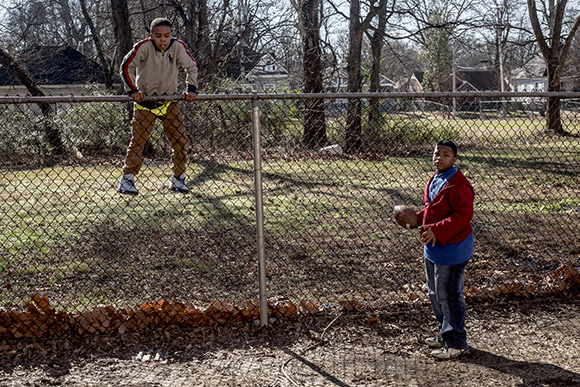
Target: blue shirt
column 453, row 253
column 439, row 181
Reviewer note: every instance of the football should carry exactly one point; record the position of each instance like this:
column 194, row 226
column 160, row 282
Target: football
column 405, row 216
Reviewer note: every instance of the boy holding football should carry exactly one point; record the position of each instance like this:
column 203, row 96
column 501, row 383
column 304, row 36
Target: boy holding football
column 447, row 235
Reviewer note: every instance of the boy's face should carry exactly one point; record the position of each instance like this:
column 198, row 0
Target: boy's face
column 443, row 158
column 161, row 36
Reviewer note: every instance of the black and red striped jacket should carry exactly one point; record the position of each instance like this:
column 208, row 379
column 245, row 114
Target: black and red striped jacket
column 148, row 69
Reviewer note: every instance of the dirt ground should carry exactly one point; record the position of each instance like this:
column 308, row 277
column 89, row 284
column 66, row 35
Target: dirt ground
column 523, row 344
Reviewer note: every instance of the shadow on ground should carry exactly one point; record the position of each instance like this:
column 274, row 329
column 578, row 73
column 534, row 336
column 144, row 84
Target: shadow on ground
column 531, row 373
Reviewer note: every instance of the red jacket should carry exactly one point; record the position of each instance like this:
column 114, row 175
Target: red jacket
column 449, row 213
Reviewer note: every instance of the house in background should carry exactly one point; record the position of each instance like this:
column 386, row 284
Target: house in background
column 570, row 82
column 412, row 84
column 240, row 59
column 336, row 81
column 532, row 77
column 57, row 70
column 467, row 79
column 268, row 76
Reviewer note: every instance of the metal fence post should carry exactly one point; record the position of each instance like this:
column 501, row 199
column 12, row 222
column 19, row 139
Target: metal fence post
column 259, row 210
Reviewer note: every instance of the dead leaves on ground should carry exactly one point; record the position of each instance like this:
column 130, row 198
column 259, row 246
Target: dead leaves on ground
column 562, row 281
column 40, row 320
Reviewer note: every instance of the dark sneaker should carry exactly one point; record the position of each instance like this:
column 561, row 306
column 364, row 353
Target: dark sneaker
column 127, row 185
column 434, row 342
column 178, row 184
column 447, row 353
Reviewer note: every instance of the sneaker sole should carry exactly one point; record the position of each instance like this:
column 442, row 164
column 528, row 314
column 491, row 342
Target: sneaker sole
column 128, row 193
column 460, row 354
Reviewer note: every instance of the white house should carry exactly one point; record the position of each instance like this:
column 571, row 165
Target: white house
column 532, row 77
column 268, row 75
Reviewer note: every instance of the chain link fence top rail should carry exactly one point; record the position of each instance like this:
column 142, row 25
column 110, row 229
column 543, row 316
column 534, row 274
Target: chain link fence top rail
column 78, row 257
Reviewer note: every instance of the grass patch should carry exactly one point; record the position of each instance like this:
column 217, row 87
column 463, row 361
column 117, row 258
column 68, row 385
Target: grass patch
column 66, row 233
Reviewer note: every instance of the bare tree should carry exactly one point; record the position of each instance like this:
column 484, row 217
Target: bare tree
column 73, row 28
column 121, row 28
column 357, row 28
column 105, row 64
column 572, row 68
column 436, row 26
column 52, row 135
column 28, row 25
column 309, row 22
column 221, row 31
column 554, row 46
column 400, row 58
column 377, row 40
column 194, row 16
column 502, row 12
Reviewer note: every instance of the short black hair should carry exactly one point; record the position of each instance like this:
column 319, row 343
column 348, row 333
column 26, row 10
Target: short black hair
column 160, row 21
column 450, row 144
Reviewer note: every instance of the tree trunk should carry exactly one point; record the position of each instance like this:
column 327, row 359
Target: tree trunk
column 204, row 44
column 190, row 23
column 353, row 135
column 104, row 63
column 553, row 114
column 377, row 43
column 52, row 135
column 375, row 81
column 189, row 20
column 314, row 121
column 72, row 36
column 121, row 28
column 554, row 49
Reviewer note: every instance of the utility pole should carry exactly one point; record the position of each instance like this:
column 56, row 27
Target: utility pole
column 499, row 32
column 454, row 87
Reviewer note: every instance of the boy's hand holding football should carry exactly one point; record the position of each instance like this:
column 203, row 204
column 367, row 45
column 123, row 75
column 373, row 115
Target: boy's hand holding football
column 405, row 216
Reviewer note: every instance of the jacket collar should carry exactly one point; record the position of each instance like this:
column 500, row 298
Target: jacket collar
column 457, row 179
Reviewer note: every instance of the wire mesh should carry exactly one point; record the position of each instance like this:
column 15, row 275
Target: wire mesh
column 79, row 258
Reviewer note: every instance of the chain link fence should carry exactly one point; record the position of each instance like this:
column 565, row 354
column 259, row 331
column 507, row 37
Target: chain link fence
column 76, row 257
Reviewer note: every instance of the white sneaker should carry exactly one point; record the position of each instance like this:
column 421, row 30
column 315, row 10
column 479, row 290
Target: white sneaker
column 447, row 353
column 434, row 341
column 127, row 185
column 178, row 184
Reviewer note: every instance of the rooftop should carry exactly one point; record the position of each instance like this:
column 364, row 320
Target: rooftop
column 55, row 65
